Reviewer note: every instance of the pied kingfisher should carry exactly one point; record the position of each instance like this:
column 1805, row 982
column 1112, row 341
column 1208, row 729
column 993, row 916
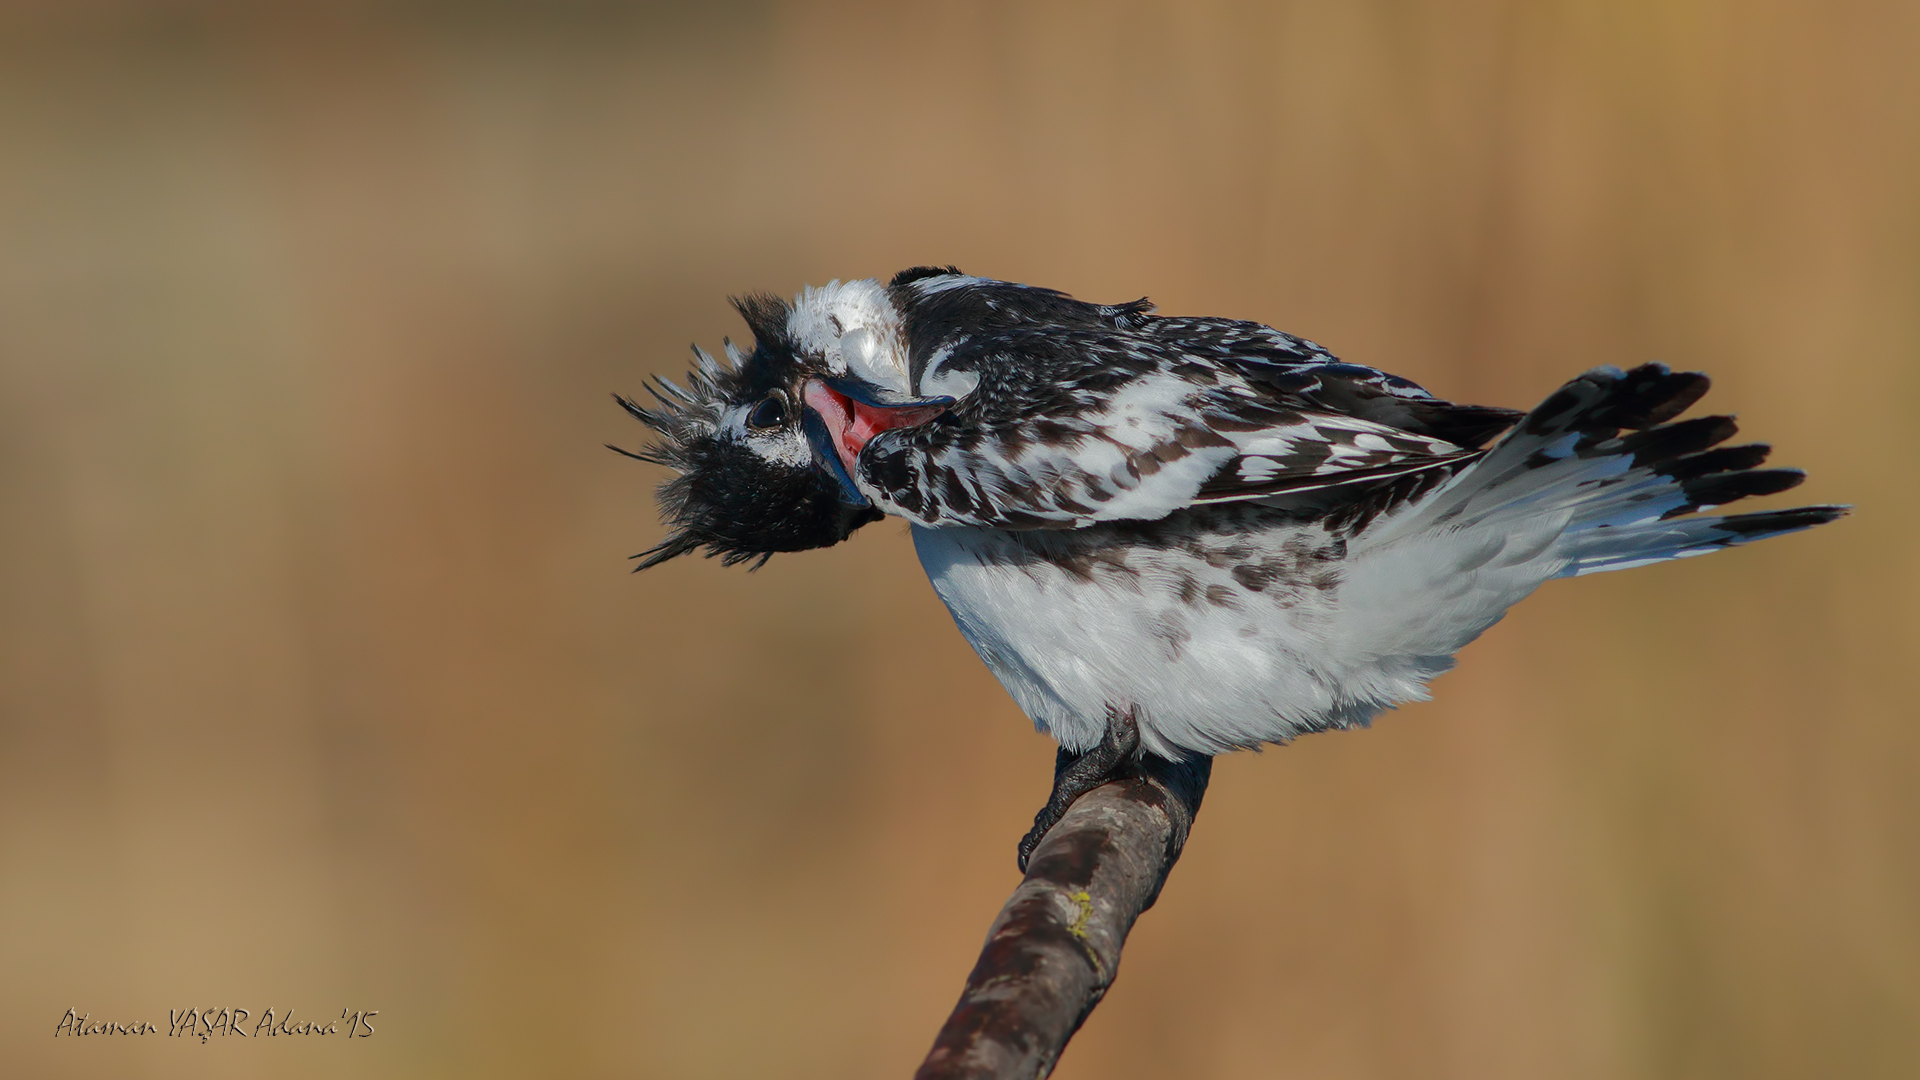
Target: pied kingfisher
column 1179, row 536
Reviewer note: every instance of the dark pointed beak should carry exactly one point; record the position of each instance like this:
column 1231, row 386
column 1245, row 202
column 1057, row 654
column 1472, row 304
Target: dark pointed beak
column 880, row 397
column 841, row 414
column 826, row 459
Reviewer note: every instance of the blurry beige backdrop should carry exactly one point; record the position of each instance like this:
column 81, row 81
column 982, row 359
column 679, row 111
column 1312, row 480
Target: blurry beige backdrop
column 323, row 684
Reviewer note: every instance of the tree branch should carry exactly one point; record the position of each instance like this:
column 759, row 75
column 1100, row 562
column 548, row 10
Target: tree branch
column 1055, row 948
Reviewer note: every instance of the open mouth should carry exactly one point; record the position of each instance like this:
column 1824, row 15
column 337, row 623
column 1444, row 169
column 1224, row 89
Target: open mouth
column 852, row 423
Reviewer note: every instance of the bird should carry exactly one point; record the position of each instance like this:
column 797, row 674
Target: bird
column 1174, row 536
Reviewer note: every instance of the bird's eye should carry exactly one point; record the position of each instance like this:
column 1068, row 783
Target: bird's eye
column 771, row 412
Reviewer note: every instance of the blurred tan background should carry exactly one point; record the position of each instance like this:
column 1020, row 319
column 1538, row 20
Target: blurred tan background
column 323, row 685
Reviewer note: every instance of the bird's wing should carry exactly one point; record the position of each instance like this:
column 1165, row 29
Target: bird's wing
column 1137, row 437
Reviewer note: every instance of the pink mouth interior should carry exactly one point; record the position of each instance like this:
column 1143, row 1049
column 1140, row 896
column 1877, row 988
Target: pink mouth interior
column 852, row 423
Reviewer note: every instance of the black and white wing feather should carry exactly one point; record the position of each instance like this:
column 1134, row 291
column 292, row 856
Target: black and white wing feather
column 1070, row 413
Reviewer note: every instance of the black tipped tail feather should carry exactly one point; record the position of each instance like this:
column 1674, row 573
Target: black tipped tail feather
column 1625, row 548
column 1626, row 497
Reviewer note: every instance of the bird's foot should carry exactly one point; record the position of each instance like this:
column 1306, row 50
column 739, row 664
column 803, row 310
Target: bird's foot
column 1076, row 774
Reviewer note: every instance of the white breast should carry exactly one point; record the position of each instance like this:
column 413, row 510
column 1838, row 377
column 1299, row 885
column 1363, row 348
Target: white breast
column 1171, row 629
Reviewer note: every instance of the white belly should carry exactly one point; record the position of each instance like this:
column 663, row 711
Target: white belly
column 1218, row 640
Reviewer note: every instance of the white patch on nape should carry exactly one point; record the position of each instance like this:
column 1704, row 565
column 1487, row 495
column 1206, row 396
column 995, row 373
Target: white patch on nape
column 936, row 380
column 860, row 350
column 928, row 286
column 854, row 329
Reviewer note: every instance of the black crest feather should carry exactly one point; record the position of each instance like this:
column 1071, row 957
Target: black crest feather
column 723, row 497
column 765, row 315
column 915, row 273
column 683, row 419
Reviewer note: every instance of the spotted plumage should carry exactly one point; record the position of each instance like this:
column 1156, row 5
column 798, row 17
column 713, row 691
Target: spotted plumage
column 1210, row 527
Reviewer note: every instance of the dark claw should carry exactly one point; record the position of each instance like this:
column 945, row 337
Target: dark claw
column 1076, row 774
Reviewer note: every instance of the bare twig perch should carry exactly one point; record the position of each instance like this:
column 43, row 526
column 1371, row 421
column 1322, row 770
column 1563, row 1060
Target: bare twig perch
column 1055, row 948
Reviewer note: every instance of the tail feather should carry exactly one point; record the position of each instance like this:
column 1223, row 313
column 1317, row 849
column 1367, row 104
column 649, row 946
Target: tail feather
column 1564, row 493
column 1620, row 493
column 1594, row 550
column 1718, row 460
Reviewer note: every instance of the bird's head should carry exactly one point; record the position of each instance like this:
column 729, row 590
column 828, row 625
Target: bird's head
column 766, row 445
